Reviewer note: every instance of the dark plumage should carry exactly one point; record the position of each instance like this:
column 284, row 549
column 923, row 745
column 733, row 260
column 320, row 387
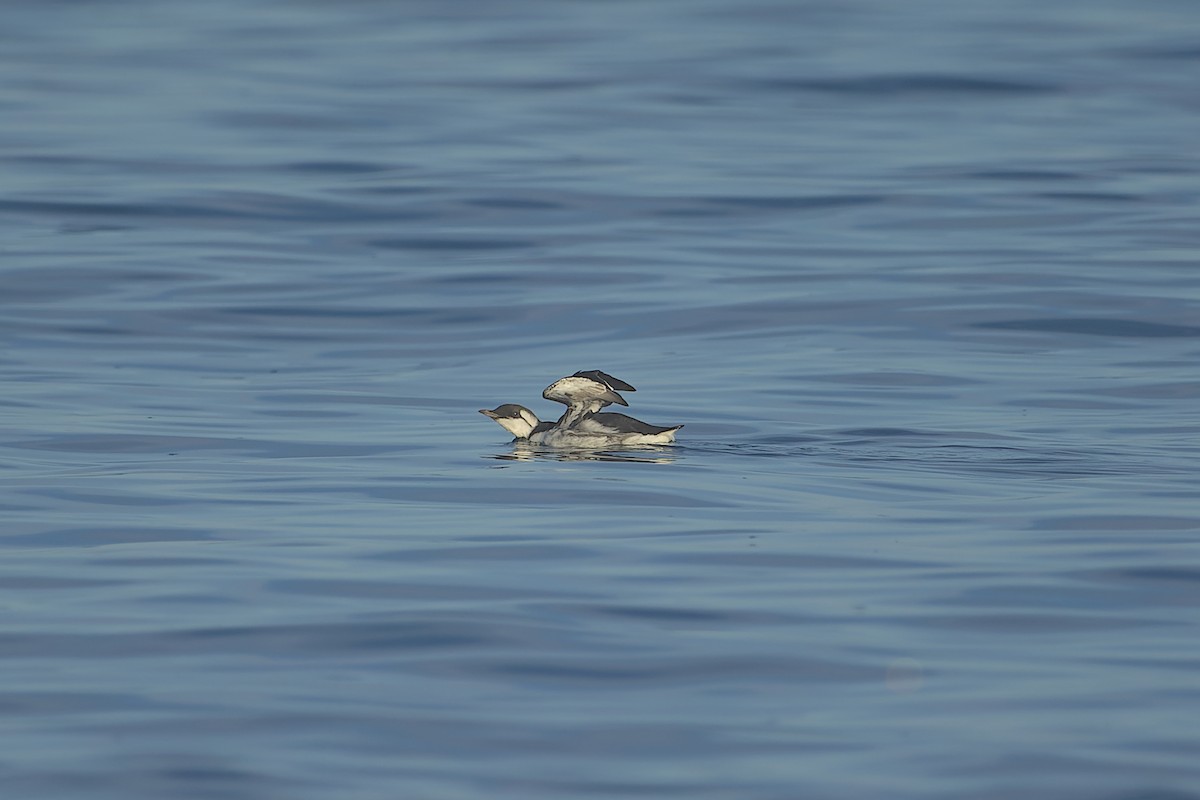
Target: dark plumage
column 508, row 411
column 622, row 423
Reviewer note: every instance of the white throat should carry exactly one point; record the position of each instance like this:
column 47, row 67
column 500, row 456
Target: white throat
column 521, row 426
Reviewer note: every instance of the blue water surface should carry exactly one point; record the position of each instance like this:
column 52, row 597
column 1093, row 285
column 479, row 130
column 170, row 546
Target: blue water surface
column 920, row 279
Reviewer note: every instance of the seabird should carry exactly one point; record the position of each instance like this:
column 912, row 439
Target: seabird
column 582, row 426
column 604, row 429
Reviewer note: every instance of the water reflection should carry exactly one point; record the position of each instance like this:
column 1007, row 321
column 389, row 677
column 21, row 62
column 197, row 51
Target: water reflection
column 642, row 454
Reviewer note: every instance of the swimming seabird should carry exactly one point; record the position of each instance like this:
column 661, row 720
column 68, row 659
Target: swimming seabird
column 605, row 429
column 584, row 393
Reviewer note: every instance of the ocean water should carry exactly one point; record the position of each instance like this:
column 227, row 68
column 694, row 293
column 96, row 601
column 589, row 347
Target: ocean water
column 920, row 279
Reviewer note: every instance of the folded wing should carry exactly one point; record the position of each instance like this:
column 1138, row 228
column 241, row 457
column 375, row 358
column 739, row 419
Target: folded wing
column 609, row 422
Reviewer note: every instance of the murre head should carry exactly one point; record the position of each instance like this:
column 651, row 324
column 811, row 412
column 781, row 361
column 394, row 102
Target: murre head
column 517, row 420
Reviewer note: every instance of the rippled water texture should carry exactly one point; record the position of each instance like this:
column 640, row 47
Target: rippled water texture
column 920, row 279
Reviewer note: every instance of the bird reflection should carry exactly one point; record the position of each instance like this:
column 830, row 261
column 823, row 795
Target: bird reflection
column 524, row 451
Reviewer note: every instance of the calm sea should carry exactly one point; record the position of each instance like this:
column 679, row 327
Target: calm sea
column 921, row 279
